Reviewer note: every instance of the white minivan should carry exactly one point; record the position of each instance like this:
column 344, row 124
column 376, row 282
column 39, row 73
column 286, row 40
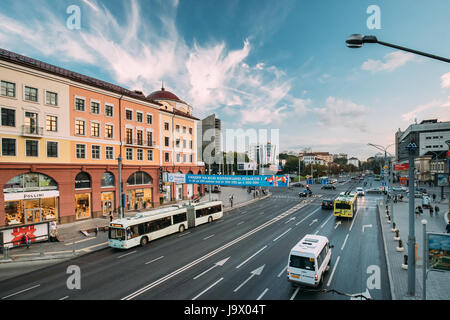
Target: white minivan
column 308, row 260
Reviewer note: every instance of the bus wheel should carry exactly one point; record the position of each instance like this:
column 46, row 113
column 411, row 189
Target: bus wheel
column 210, row 219
column 181, row 229
column 144, row 241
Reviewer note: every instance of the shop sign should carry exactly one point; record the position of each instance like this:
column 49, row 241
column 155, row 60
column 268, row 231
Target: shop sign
column 31, row 195
column 401, row 167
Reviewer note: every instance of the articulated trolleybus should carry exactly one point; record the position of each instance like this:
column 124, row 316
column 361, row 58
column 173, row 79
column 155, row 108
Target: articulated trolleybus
column 345, row 205
column 150, row 225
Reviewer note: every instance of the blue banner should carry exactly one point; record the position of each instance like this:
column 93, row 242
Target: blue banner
column 256, row 181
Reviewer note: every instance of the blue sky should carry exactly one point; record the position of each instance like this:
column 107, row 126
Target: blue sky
column 257, row 64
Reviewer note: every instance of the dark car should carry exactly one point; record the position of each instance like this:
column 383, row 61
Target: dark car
column 297, row 185
column 327, row 204
column 329, row 186
column 305, row 193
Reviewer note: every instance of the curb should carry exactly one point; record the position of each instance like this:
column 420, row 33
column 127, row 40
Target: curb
column 40, row 258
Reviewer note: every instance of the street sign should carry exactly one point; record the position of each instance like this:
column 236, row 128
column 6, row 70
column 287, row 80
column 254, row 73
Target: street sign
column 412, row 146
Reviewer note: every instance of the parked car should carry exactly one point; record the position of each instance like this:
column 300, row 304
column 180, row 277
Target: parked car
column 328, row 186
column 305, row 193
column 327, row 204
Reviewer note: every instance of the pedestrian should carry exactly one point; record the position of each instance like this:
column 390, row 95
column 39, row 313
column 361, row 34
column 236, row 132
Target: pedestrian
column 26, row 239
column 436, row 210
column 431, row 210
column 96, row 231
column 110, row 217
column 447, row 228
column 434, row 197
column 420, row 210
column 417, row 211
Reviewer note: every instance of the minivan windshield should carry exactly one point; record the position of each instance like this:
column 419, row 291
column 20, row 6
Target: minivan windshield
column 301, row 262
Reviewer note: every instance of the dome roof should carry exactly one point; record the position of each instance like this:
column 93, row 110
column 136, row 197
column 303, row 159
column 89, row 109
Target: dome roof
column 163, row 95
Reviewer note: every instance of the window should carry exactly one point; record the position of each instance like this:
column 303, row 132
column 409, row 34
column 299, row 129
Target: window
column 109, row 132
column 184, row 144
column 191, row 158
column 95, row 152
column 51, row 98
column 190, row 144
column 139, row 136
column 8, row 117
column 166, row 126
column 8, row 147
column 178, row 157
column 190, row 130
column 166, row 156
column 139, row 117
column 129, row 154
column 52, row 123
column 109, row 153
column 107, row 179
column 129, row 136
column 177, row 128
column 95, row 129
column 149, row 119
column 149, row 138
column 301, row 262
column 150, row 155
column 80, row 127
column 82, row 181
column 140, row 154
column 81, row 151
column 31, row 148
column 178, row 218
column 129, row 114
column 177, row 143
column 139, row 178
column 184, row 158
column 184, row 129
column 52, row 149
column 166, row 141
column 95, row 107
column 207, row 211
column 79, row 104
column 8, row 89
column 109, row 110
column 31, row 94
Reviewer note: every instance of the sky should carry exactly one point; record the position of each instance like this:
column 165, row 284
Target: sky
column 257, row 64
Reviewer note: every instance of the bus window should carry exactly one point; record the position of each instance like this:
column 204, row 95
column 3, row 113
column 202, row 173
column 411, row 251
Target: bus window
column 118, row 234
column 341, row 205
column 301, row 262
column 178, row 218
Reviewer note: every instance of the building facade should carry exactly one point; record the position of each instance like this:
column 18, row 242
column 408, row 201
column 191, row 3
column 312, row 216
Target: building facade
column 62, row 133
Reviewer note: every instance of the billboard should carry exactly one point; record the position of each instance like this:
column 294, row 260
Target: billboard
column 401, row 167
column 230, row 180
column 442, row 180
column 438, row 251
column 13, row 236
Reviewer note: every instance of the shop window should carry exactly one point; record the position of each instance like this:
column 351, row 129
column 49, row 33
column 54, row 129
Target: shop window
column 83, row 205
column 107, row 179
column 82, row 181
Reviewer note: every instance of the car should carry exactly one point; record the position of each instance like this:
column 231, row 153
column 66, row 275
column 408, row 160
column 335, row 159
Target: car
column 399, row 189
column 327, row 204
column 423, row 190
column 374, row 190
column 297, row 185
column 360, row 191
column 305, row 193
column 328, row 186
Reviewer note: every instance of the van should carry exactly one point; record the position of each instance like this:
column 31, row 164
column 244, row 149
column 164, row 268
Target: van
column 308, row 260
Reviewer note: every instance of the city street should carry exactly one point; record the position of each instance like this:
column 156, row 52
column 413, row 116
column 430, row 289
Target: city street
column 242, row 256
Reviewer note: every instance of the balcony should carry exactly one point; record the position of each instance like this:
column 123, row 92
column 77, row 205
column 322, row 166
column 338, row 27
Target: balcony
column 32, row 131
column 139, row 143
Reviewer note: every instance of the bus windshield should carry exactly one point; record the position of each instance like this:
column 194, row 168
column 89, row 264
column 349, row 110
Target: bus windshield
column 116, row 233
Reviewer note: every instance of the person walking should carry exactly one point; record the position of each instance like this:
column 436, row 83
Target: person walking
column 447, row 228
column 434, row 197
column 431, row 210
column 436, row 210
column 26, row 239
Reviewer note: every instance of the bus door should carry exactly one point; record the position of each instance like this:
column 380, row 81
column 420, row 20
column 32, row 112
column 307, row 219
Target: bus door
column 191, row 216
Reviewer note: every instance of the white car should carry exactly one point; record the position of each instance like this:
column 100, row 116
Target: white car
column 360, row 191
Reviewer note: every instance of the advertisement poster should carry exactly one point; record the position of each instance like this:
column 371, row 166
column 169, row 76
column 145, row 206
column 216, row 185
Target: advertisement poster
column 439, row 251
column 231, row 180
column 14, row 236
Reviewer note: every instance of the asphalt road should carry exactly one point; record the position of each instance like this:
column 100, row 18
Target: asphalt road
column 242, row 256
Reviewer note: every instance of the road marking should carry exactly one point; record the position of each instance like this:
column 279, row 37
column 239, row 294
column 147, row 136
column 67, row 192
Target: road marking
column 218, row 264
column 64, row 298
column 195, row 298
column 262, row 294
column 208, row 237
column 8, row 296
column 282, row 271
column 154, row 260
column 240, row 223
column 95, row 245
column 252, row 256
column 345, row 241
column 325, row 222
column 366, row 226
column 79, row 241
column 255, row 272
column 295, row 293
column 337, row 224
column 314, row 221
column 332, row 272
column 306, row 217
column 126, row 254
column 201, row 259
column 184, row 233
column 282, row 234
column 354, row 219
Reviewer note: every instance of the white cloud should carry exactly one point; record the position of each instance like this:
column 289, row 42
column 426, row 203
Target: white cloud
column 391, row 62
column 436, row 109
column 445, row 80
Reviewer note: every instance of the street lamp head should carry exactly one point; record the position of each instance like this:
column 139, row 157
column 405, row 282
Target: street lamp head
column 358, row 40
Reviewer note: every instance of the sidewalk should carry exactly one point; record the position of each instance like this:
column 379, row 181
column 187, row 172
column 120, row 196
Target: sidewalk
column 438, row 283
column 74, row 243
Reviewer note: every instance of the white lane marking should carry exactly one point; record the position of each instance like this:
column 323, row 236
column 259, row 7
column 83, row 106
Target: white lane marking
column 332, row 272
column 345, row 241
column 282, row 234
column 255, row 272
column 126, row 254
column 252, row 256
column 325, row 222
column 354, row 219
column 295, row 293
column 154, row 260
column 306, row 217
column 79, row 241
column 208, row 237
column 64, row 298
column 195, row 298
column 240, row 223
column 184, row 233
column 217, row 264
column 282, row 271
column 21, row 291
column 262, row 294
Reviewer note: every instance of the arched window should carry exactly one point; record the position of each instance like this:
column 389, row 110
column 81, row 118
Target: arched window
column 139, row 178
column 30, row 182
column 82, row 181
column 107, row 179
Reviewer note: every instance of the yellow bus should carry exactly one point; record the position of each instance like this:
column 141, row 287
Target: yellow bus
column 345, row 205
